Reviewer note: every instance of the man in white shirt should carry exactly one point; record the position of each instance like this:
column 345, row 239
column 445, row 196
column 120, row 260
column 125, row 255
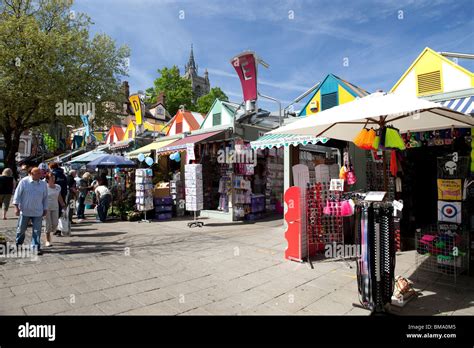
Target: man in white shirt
column 31, row 202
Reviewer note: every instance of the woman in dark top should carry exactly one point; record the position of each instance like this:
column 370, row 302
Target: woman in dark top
column 7, row 185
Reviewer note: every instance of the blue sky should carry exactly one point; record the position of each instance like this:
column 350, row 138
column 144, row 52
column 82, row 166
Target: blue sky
column 301, row 40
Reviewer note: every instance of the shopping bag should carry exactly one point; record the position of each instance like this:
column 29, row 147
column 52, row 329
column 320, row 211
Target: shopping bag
column 89, row 199
column 64, row 225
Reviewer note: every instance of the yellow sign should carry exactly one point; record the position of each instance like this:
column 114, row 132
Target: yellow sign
column 449, row 189
column 137, row 107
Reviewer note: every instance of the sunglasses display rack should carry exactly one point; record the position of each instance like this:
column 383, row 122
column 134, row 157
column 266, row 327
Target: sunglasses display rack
column 375, row 237
column 321, row 228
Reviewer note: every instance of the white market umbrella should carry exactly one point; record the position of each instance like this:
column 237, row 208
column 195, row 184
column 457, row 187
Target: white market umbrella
column 406, row 113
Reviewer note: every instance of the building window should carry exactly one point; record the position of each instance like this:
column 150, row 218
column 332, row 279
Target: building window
column 328, row 100
column 429, row 82
column 179, row 127
column 216, row 119
column 22, row 147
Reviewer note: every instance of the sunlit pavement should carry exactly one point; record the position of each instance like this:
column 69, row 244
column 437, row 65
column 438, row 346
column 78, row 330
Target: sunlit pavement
column 157, row 268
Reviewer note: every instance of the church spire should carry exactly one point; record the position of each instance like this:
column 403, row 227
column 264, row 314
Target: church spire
column 191, row 63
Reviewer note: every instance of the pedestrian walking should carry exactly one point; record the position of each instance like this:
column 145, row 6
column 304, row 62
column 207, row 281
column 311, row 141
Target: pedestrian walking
column 55, row 201
column 31, row 203
column 71, row 193
column 61, row 180
column 44, row 170
column 104, row 197
column 7, row 185
column 84, row 188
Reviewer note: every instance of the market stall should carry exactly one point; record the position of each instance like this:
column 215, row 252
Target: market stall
column 390, row 114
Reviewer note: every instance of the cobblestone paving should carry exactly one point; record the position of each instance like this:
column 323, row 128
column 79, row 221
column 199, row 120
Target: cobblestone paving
column 131, row 268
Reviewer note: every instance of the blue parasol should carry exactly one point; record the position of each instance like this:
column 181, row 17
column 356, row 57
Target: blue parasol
column 111, row 161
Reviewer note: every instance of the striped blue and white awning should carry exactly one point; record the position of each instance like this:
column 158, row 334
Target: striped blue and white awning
column 278, row 140
column 464, row 105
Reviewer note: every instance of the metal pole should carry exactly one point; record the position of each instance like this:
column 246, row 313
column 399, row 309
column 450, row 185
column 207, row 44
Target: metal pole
column 279, row 106
column 457, row 55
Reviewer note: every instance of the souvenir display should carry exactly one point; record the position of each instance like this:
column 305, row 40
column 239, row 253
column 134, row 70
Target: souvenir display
column 193, row 187
column 376, row 262
column 144, row 189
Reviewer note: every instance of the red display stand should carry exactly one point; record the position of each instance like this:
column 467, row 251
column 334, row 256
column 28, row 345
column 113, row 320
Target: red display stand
column 293, row 234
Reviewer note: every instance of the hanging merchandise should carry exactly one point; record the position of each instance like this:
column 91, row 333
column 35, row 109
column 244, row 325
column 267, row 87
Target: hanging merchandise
column 449, row 212
column 351, row 177
column 393, row 139
column 450, row 189
column 359, row 140
column 376, row 262
column 369, row 140
column 346, row 172
column 339, row 207
column 393, row 164
column 376, row 142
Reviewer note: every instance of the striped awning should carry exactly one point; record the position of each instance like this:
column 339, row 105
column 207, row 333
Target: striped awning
column 123, row 144
column 146, row 150
column 182, row 144
column 278, row 140
column 464, row 105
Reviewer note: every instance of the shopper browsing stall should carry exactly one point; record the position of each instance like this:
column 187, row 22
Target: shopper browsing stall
column 104, row 198
column 84, row 188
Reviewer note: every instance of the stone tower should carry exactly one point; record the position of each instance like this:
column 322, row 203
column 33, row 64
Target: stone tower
column 200, row 85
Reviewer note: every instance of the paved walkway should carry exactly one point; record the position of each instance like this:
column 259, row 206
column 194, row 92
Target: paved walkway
column 166, row 268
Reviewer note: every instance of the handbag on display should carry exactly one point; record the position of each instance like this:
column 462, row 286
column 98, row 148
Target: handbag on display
column 351, row 177
column 342, row 208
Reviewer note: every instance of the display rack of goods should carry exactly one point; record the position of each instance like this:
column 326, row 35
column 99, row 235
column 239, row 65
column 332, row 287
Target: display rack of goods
column 193, row 187
column 144, row 189
column 163, row 208
column 442, row 249
column 257, row 207
column 242, row 196
column 274, row 184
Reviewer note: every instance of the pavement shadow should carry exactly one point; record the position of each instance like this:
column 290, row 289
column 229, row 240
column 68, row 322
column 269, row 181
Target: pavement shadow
column 83, row 247
column 98, row 234
column 440, row 292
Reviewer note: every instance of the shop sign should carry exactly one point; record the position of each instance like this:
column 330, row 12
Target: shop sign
column 449, row 189
column 137, row 108
column 245, row 65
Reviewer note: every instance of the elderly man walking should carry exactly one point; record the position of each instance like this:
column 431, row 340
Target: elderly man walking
column 31, row 202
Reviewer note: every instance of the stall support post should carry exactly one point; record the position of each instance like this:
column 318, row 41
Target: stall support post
column 287, row 170
column 287, row 164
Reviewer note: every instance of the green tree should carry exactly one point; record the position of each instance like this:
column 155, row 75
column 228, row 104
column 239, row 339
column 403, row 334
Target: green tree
column 150, row 95
column 46, row 57
column 205, row 102
column 177, row 89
